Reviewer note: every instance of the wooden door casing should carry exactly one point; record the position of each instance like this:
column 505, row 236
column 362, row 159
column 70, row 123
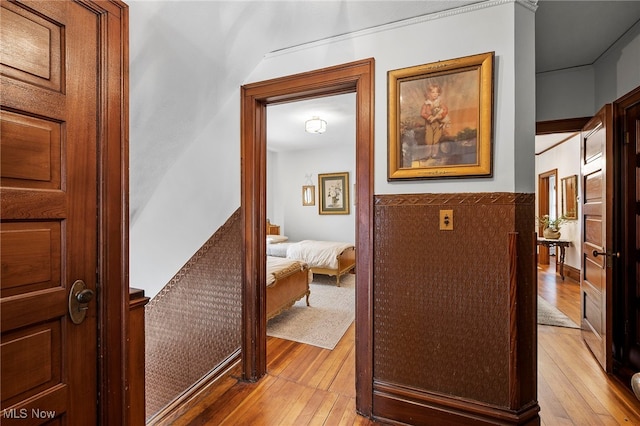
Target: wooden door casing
column 355, row 77
column 596, row 155
column 63, row 76
column 543, row 208
column 626, row 315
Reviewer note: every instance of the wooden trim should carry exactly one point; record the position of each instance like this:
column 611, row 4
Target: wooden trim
column 169, row 414
column 136, row 361
column 543, row 208
column 418, row 407
column 561, row 126
column 347, row 78
column 571, row 272
column 113, row 232
column 514, row 394
column 568, row 138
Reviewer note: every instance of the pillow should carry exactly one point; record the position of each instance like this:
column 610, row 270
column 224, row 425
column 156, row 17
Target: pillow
column 274, row 239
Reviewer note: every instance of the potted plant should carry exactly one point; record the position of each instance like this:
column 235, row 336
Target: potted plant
column 551, row 227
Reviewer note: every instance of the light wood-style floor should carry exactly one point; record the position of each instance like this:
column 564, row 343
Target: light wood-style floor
column 572, row 388
column 307, row 385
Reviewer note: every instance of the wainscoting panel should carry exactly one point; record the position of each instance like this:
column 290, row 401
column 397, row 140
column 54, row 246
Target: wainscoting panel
column 194, row 324
column 454, row 310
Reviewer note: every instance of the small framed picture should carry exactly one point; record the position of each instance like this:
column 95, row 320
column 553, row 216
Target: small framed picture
column 440, row 119
column 334, row 193
column 308, row 195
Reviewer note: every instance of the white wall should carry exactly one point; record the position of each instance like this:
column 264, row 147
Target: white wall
column 202, row 187
column 300, row 222
column 195, row 197
column 565, row 94
column 488, row 27
column 566, row 159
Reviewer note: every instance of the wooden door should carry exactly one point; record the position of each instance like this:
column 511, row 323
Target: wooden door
column 596, row 158
column 49, row 213
column 626, row 316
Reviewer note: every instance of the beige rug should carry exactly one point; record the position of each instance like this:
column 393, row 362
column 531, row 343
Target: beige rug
column 550, row 315
column 324, row 322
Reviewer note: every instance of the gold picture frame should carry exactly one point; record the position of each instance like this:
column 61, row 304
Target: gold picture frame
column 334, row 193
column 309, row 195
column 570, row 197
column 440, row 119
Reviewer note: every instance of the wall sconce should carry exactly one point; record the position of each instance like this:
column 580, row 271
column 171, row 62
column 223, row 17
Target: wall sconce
column 315, row 125
column 308, row 195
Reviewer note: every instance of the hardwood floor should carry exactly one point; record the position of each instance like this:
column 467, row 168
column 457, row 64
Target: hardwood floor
column 572, row 388
column 307, row 385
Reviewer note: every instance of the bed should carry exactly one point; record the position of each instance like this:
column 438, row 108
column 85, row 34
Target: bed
column 287, row 282
column 324, row 257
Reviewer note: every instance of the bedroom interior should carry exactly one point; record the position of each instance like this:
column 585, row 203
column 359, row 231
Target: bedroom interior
column 325, row 242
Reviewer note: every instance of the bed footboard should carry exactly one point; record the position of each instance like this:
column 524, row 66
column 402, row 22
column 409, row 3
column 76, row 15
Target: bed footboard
column 346, row 262
column 286, row 291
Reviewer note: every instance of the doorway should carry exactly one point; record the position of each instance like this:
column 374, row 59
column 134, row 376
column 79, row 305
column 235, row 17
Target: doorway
column 547, row 206
column 299, row 162
column 356, row 77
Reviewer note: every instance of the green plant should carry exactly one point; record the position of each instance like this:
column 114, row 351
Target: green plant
column 546, row 222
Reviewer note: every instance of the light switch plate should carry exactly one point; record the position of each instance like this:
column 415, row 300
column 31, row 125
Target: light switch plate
column 446, row 220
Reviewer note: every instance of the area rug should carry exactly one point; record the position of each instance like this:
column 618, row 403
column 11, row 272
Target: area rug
column 550, row 315
column 324, row 322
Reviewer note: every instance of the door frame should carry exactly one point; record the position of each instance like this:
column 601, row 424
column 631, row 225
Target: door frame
column 351, row 77
column 113, row 211
column 568, row 125
column 624, row 328
column 543, row 208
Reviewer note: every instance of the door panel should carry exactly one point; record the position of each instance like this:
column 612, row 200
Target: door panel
column 595, row 283
column 49, row 229
column 626, row 339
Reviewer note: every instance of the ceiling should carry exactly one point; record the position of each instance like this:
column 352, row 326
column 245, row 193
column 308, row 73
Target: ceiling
column 568, row 34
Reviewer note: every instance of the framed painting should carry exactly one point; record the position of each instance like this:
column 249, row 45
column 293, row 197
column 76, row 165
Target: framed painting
column 440, row 119
column 334, row 193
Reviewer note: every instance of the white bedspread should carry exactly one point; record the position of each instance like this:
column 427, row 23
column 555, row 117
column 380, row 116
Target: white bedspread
column 279, row 249
column 318, row 254
column 280, row 267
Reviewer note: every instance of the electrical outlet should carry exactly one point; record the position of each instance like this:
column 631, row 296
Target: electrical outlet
column 446, row 220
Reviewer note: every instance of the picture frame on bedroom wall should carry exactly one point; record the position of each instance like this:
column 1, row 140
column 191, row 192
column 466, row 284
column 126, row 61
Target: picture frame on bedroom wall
column 308, row 195
column 440, row 119
column 334, row 193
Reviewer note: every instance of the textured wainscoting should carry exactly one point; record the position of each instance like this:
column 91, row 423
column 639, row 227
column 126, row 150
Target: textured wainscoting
column 194, row 323
column 454, row 311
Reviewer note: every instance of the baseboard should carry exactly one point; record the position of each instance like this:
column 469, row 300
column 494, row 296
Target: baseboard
column 571, row 272
column 171, row 412
column 409, row 406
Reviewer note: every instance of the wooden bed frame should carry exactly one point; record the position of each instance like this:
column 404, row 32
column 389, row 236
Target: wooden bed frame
column 286, row 291
column 346, row 262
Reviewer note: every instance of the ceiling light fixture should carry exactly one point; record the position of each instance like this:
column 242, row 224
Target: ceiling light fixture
column 315, row 125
